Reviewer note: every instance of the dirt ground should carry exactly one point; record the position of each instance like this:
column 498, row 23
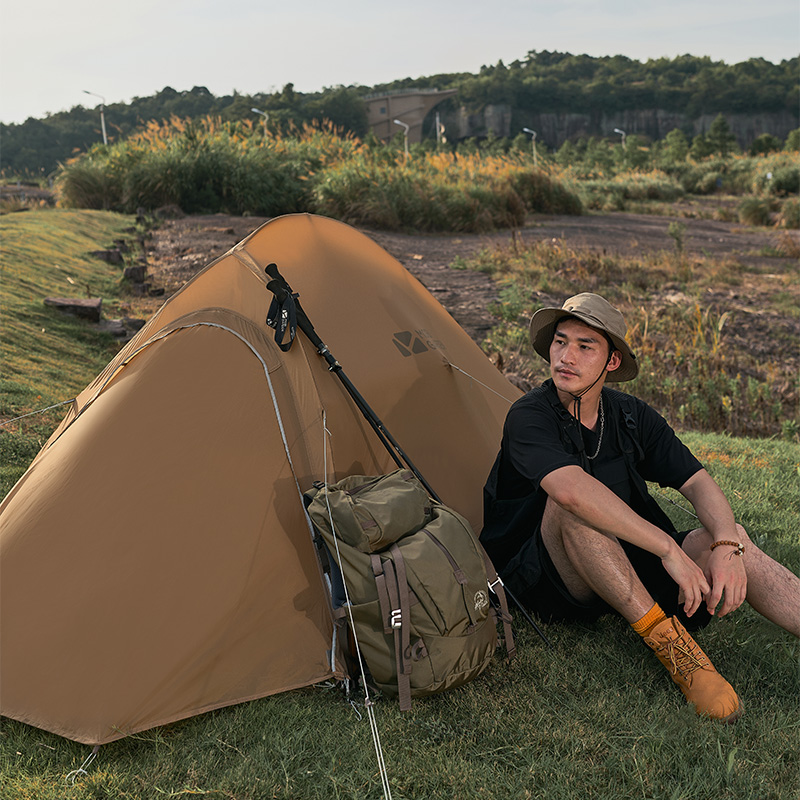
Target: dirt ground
column 181, row 247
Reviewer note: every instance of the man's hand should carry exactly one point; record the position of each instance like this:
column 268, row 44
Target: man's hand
column 726, row 573
column 691, row 581
column 724, row 570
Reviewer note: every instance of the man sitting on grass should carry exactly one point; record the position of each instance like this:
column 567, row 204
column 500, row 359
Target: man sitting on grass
column 573, row 531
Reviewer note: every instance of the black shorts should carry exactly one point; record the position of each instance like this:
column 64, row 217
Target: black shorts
column 550, row 600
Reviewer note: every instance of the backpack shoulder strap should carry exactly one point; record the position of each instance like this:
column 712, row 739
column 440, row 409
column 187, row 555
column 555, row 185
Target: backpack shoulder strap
column 627, row 425
column 633, row 452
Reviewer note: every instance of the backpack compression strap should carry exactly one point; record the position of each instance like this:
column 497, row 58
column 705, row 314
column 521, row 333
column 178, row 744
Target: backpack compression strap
column 394, row 600
column 496, row 586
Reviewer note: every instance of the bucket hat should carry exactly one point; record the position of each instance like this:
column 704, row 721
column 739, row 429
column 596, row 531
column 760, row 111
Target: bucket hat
column 594, row 311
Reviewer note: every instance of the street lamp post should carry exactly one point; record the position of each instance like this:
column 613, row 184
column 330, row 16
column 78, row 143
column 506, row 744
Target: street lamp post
column 533, row 142
column 622, row 134
column 405, row 135
column 439, row 130
column 102, row 113
column 266, row 117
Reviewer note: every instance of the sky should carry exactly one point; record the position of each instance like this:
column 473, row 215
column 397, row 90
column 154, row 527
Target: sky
column 52, row 51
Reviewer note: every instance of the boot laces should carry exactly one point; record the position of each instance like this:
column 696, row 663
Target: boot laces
column 685, row 657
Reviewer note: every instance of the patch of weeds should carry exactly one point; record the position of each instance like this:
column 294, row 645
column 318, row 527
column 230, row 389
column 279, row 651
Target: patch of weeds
column 786, row 303
column 697, row 366
column 790, row 431
column 677, row 232
column 512, row 302
column 788, row 245
column 789, row 214
column 755, row 211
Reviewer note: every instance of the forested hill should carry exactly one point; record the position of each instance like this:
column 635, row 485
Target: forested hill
column 561, row 95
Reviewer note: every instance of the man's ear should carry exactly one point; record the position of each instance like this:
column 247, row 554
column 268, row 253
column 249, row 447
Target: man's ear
column 614, row 360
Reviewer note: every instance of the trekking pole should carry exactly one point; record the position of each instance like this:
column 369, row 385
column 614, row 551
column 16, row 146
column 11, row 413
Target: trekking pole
column 528, row 617
column 286, row 313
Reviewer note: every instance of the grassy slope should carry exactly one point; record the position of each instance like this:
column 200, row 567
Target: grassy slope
column 596, row 718
column 46, row 356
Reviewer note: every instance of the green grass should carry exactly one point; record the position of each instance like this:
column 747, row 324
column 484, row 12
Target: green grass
column 597, row 718
column 48, row 357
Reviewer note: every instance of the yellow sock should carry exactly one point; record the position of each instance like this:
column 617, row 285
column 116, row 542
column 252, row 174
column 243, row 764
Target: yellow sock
column 644, row 625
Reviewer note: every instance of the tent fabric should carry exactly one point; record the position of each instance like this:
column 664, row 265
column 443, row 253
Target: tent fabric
column 155, row 559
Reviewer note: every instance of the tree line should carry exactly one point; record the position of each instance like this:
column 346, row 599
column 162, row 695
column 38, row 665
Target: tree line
column 550, row 82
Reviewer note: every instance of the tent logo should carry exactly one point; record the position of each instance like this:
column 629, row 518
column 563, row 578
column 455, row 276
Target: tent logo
column 408, row 343
column 481, row 600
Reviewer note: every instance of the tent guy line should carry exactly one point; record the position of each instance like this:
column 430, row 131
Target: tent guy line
column 471, row 377
column 39, row 411
column 369, row 704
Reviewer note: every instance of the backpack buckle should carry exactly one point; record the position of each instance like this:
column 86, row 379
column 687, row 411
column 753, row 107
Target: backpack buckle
column 396, row 620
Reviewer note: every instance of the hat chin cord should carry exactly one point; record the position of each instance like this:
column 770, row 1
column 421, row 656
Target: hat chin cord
column 576, row 398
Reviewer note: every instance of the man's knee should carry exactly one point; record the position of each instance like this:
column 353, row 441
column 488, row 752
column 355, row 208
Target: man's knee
column 742, row 534
column 561, row 523
column 699, row 541
column 573, row 536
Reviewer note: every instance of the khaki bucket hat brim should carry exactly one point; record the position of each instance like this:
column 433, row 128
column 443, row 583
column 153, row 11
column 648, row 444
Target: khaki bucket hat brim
column 594, row 311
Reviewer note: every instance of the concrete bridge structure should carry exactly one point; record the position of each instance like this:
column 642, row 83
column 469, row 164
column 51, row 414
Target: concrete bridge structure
column 409, row 107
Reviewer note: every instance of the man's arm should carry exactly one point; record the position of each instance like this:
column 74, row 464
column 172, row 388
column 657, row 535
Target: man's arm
column 726, row 575
column 598, row 507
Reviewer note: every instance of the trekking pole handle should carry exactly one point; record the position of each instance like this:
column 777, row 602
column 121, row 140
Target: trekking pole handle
column 278, row 285
column 272, row 271
column 281, row 289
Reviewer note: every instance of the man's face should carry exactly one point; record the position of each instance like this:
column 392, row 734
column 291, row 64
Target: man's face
column 578, row 355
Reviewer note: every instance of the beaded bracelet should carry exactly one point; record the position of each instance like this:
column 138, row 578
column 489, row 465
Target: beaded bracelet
column 738, row 545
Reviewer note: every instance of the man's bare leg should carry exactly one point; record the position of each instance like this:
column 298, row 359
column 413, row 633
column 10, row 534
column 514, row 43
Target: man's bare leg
column 772, row 590
column 593, row 564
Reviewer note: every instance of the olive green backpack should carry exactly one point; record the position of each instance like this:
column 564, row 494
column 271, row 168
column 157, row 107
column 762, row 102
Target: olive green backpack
column 422, row 591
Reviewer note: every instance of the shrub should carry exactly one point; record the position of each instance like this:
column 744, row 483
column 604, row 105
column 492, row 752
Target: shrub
column 754, row 211
column 396, row 197
column 766, row 143
column 208, row 166
column 789, row 215
column 544, row 195
column 88, row 184
column 213, row 166
column 785, row 181
column 613, row 193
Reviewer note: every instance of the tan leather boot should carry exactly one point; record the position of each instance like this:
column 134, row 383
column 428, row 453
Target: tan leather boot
column 692, row 670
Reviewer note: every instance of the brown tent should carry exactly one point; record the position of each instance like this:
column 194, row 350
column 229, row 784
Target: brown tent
column 156, row 559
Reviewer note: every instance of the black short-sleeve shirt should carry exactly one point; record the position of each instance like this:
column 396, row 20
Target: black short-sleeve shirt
column 540, row 436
